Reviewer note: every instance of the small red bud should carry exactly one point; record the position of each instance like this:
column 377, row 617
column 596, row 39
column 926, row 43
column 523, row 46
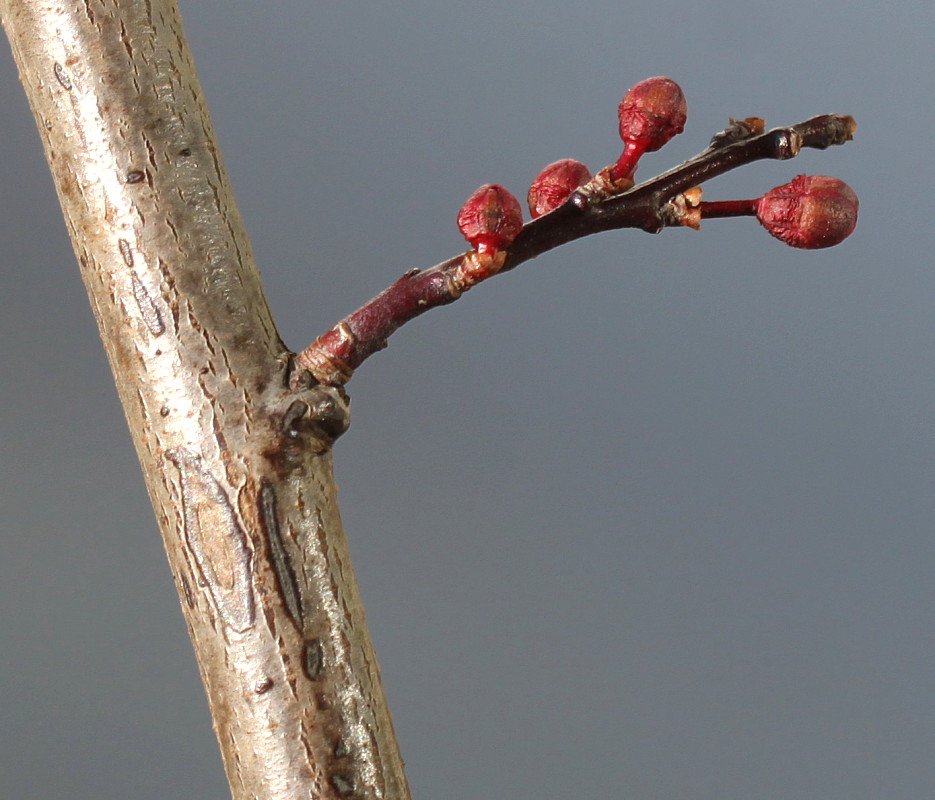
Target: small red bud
column 490, row 219
column 651, row 113
column 653, row 110
column 554, row 185
column 810, row 211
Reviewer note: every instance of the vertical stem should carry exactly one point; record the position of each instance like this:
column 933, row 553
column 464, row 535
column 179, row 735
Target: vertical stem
column 237, row 465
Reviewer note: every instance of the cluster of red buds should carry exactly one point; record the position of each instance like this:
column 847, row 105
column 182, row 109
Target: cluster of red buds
column 567, row 202
column 808, row 212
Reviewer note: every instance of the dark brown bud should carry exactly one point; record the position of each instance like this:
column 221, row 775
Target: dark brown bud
column 554, row 185
column 490, row 219
column 810, row 211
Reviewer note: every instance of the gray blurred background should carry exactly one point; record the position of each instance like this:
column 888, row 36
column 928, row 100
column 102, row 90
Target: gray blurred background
column 649, row 517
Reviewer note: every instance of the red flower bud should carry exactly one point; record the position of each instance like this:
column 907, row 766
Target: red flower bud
column 651, row 113
column 554, row 185
column 653, row 110
column 490, row 219
column 811, row 211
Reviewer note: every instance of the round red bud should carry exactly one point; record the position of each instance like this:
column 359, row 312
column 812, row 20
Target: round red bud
column 554, row 185
column 490, row 218
column 651, row 113
column 810, row 211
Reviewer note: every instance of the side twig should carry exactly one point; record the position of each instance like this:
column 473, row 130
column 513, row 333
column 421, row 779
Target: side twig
column 668, row 199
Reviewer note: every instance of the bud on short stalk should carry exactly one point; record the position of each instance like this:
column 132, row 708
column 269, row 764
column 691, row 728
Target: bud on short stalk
column 651, row 113
column 809, row 212
column 490, row 219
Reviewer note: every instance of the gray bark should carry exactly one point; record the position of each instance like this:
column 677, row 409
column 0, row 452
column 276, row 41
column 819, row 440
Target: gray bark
column 237, row 465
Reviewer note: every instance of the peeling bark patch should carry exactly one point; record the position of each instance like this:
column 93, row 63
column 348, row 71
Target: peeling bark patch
column 126, row 251
column 313, row 660
column 342, row 785
column 62, row 76
column 216, row 541
column 292, row 418
column 187, row 591
column 282, row 566
column 148, row 309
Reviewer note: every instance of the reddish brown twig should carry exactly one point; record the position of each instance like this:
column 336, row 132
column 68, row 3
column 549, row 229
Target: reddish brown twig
column 651, row 206
column 715, row 209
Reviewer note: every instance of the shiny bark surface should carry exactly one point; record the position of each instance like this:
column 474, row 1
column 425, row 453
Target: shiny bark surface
column 236, row 462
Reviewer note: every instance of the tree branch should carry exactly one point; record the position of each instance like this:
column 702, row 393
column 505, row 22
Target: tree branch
column 238, row 466
column 600, row 205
